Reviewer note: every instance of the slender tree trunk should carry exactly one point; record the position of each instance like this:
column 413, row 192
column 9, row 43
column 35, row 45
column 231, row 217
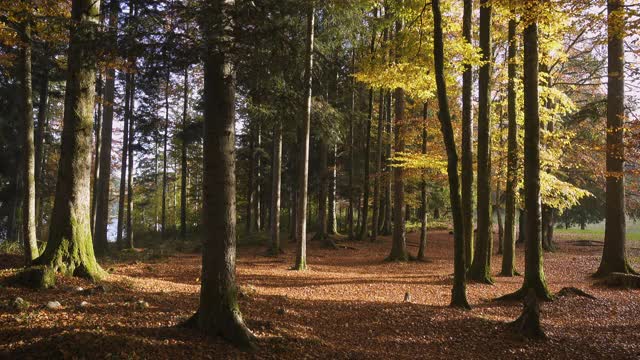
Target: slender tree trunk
column 480, row 269
column 522, row 221
column 69, row 247
column 378, row 171
column 258, row 180
column 614, row 256
column 165, row 138
column 123, row 166
column 251, row 185
column 459, row 291
column 28, row 150
column 508, row 256
column 467, row 140
column 301, row 254
column 43, row 118
column 321, row 233
column 183, row 158
column 276, row 169
column 351, row 149
column 423, row 188
column 386, row 227
column 219, row 314
column 332, row 224
column 130, row 164
column 96, row 158
column 533, row 272
column 399, row 243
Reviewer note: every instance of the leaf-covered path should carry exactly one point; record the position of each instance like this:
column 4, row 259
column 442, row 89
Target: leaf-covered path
column 350, row 304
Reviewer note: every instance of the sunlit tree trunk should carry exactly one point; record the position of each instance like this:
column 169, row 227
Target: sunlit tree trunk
column 301, row 254
column 332, row 224
column 459, row 291
column 508, row 255
column 467, row 140
column 183, row 158
column 28, row 149
column 378, row 171
column 129, row 243
column 276, row 169
column 123, row 163
column 165, row 139
column 423, row 188
column 614, row 257
column 69, row 249
column 480, row 269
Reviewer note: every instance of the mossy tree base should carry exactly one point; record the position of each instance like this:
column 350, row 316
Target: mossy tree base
column 481, row 276
column 511, row 273
column 459, row 299
column 540, row 289
column 227, row 324
column 607, row 268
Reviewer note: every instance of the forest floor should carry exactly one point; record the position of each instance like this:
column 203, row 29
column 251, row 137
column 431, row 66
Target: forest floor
column 350, row 304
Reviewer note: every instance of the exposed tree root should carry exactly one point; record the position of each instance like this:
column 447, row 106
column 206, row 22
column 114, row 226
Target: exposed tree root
column 616, row 279
column 227, row 325
column 528, row 323
column 572, row 291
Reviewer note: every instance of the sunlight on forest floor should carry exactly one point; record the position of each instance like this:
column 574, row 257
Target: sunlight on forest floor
column 348, row 305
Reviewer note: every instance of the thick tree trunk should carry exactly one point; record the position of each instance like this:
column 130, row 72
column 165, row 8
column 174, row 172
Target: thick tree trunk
column 467, row 140
column 480, row 269
column 69, row 247
column 533, row 273
column 508, row 256
column 301, row 254
column 459, row 291
column 276, row 169
column 614, row 257
column 423, row 189
column 219, row 314
column 28, row 150
column 183, row 158
column 399, row 243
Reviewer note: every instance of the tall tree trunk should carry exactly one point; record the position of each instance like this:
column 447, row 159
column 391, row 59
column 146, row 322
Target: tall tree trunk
column 480, row 269
column 104, row 173
column 351, row 149
column 96, row 158
column 321, row 233
column 69, row 247
column 459, row 291
column 423, row 188
column 43, row 119
column 332, row 224
column 467, row 140
column 130, row 164
column 28, row 149
column 123, row 166
column 276, row 169
column 522, row 221
column 399, row 243
column 165, row 140
column 183, row 158
column 378, row 171
column 301, row 254
column 508, row 256
column 251, row 185
column 219, row 314
column 258, row 180
column 614, row 256
column 533, row 271
column 386, row 226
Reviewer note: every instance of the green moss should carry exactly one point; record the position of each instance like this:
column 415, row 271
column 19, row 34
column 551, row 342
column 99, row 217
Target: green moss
column 35, row 277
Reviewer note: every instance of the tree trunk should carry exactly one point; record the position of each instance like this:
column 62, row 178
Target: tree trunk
column 276, row 169
column 165, row 139
column 251, row 185
column 614, row 257
column 96, row 158
column 43, row 119
column 183, row 158
column 423, row 188
column 522, row 221
column 351, row 193
column 100, row 241
column 386, row 226
column 130, row 164
column 533, row 273
column 509, row 251
column 257, row 216
column 28, row 150
column 459, row 291
column 480, row 270
column 321, row 233
column 301, row 254
column 123, row 166
column 69, row 247
column 219, row 314
column 332, row 224
column 378, row 171
column 467, row 140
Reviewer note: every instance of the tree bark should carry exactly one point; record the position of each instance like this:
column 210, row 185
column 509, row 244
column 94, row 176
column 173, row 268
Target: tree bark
column 183, row 158
column 467, row 140
column 123, row 166
column 480, row 269
column 276, row 169
column 386, row 226
column 43, row 119
column 130, row 165
column 165, row 139
column 459, row 291
column 351, row 149
column 399, row 243
column 321, row 233
column 614, row 257
column 509, row 251
column 28, row 149
column 378, row 171
column 96, row 158
column 423, row 188
column 69, row 249
column 332, row 225
column 301, row 254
